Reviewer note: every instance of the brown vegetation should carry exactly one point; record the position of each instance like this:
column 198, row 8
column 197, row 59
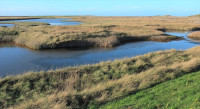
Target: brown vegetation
column 94, row 85
column 195, row 35
column 6, row 18
column 97, row 31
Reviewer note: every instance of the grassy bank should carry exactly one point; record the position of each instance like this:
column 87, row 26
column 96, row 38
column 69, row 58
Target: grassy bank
column 95, row 85
column 7, row 18
column 179, row 93
column 195, row 35
column 97, row 31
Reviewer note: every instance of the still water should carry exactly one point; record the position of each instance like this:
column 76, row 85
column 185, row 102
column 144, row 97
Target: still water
column 49, row 21
column 17, row 60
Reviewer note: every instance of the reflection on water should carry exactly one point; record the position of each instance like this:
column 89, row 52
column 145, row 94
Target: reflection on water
column 19, row 60
column 7, row 25
column 50, row 21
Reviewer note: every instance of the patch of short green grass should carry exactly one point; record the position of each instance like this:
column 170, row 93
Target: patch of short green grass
column 180, row 93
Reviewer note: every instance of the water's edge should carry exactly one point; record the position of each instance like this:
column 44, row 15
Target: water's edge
column 18, row 60
column 8, row 23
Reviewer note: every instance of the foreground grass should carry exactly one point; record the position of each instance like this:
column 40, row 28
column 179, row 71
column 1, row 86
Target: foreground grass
column 89, row 85
column 180, row 93
column 97, row 31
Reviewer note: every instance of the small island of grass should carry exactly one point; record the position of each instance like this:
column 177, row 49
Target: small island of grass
column 195, row 35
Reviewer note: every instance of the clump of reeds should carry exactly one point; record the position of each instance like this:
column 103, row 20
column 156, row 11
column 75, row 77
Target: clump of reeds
column 194, row 35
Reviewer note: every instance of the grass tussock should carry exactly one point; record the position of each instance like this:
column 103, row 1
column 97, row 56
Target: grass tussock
column 94, row 85
column 100, row 31
column 195, row 35
column 8, row 34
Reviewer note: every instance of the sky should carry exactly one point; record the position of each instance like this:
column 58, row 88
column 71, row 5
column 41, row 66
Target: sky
column 99, row 7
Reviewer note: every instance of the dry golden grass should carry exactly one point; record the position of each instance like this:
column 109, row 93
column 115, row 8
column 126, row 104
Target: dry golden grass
column 99, row 31
column 195, row 35
column 6, row 18
column 15, row 18
column 83, row 86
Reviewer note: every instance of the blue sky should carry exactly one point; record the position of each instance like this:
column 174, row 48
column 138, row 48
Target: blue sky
column 99, row 7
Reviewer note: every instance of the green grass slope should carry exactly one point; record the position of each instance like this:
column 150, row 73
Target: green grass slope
column 89, row 85
column 180, row 93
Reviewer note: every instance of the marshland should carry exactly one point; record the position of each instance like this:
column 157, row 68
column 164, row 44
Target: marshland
column 106, row 54
column 97, row 31
column 69, row 72
column 48, row 43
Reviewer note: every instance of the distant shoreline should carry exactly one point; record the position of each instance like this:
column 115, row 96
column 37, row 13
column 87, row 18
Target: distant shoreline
column 95, row 31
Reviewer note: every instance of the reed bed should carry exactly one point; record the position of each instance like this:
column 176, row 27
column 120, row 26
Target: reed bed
column 97, row 31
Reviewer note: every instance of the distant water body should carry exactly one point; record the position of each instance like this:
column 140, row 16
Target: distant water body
column 49, row 21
